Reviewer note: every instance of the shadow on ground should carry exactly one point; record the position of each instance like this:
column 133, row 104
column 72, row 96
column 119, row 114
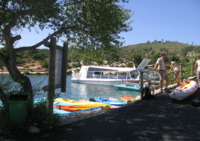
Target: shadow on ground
column 156, row 119
column 159, row 118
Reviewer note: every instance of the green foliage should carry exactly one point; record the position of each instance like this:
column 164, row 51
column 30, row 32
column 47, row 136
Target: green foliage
column 26, row 71
column 154, row 47
column 137, row 58
column 8, row 85
column 153, row 50
column 2, row 119
column 45, row 64
column 20, row 60
column 39, row 56
column 40, row 118
column 88, row 22
column 77, row 64
column 1, row 64
column 89, row 55
column 114, row 54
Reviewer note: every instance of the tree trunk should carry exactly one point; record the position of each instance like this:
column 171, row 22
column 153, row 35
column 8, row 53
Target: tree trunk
column 4, row 99
column 25, row 83
column 10, row 63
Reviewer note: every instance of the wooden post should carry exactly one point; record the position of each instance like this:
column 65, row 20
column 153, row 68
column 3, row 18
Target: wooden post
column 64, row 67
column 141, row 84
column 51, row 81
column 192, row 73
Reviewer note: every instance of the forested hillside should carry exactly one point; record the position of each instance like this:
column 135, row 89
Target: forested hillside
column 123, row 55
column 154, row 47
column 183, row 52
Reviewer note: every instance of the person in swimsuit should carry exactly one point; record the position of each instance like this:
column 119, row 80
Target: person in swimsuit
column 176, row 69
column 160, row 65
column 197, row 64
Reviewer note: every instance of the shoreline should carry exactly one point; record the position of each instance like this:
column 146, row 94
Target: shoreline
column 31, row 73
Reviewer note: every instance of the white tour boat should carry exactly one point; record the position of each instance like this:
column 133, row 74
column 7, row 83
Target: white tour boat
column 107, row 75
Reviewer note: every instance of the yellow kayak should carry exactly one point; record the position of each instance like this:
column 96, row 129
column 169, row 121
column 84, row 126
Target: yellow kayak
column 87, row 104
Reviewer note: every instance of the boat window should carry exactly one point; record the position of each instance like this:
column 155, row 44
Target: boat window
column 89, row 74
column 100, row 69
column 105, row 75
column 93, row 74
column 122, row 75
column 134, row 74
column 96, row 74
column 113, row 75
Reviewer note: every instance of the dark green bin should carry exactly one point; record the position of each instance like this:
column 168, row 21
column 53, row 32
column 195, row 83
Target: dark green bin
column 18, row 109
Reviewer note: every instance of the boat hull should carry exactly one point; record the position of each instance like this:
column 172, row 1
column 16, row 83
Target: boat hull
column 127, row 98
column 128, row 87
column 74, row 108
column 82, row 104
column 184, row 90
column 59, row 112
column 101, row 81
column 110, row 102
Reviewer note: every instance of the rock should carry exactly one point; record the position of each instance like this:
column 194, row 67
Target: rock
column 138, row 97
column 34, row 130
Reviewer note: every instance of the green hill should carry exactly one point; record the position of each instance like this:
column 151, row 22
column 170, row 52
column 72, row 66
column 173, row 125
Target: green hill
column 154, row 47
column 123, row 55
column 152, row 50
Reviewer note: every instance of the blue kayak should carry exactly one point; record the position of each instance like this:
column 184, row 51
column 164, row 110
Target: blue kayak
column 60, row 112
column 109, row 101
column 128, row 87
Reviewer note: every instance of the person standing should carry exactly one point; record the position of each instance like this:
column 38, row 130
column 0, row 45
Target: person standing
column 197, row 64
column 176, row 69
column 160, row 65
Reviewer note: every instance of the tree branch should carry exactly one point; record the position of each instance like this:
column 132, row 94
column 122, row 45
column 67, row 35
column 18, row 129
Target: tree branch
column 19, row 14
column 13, row 39
column 3, row 3
column 43, row 41
column 2, row 56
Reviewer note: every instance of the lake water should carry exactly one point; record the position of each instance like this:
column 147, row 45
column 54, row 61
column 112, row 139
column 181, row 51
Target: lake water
column 76, row 91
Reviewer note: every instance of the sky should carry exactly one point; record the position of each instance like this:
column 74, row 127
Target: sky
column 167, row 20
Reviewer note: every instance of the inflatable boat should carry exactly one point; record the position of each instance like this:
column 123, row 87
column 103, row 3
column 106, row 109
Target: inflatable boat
column 183, row 91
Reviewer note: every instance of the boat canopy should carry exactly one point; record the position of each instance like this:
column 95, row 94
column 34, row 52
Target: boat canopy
column 107, row 69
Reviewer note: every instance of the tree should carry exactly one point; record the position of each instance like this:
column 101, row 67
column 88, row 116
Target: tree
column 137, row 58
column 96, row 23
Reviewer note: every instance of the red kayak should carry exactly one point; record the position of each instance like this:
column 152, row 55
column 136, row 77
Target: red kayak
column 72, row 108
column 127, row 98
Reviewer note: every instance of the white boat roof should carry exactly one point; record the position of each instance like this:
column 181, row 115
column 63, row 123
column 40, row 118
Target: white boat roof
column 118, row 69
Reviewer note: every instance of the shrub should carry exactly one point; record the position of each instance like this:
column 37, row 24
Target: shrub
column 40, row 118
column 45, row 64
column 26, row 71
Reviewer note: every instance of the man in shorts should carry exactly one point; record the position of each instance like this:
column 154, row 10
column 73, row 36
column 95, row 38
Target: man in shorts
column 160, row 65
